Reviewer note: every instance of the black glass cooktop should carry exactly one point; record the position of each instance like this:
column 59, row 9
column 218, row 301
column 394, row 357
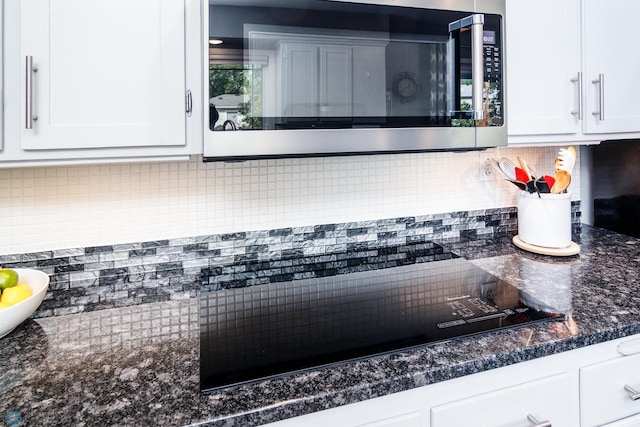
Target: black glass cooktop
column 251, row 333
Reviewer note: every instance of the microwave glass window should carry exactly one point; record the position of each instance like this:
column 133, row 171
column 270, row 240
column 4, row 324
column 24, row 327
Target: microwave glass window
column 235, row 96
column 309, row 64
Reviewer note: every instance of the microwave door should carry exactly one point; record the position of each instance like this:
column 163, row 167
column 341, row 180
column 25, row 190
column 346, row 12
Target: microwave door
column 468, row 65
column 303, row 78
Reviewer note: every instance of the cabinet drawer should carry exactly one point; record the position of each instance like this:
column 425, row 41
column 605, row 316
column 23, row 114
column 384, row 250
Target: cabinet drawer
column 548, row 399
column 627, row 422
column 603, row 397
column 413, row 419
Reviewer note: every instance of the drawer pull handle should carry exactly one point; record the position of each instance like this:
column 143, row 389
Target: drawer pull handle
column 578, row 81
column 633, row 394
column 537, row 423
column 30, row 69
column 600, row 82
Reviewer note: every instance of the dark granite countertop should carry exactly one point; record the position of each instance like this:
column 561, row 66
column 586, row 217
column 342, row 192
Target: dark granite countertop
column 139, row 365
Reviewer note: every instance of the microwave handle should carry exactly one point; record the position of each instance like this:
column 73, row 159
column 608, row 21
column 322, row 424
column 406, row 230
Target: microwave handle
column 476, row 24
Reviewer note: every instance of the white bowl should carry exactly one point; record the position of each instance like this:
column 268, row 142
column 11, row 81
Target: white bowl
column 14, row 315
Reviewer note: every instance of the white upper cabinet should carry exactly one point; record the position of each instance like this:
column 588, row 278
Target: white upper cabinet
column 611, row 66
column 543, row 64
column 568, row 62
column 1, row 78
column 113, row 69
column 101, row 79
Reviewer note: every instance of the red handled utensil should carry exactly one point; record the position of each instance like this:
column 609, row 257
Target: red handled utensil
column 521, row 175
column 549, row 180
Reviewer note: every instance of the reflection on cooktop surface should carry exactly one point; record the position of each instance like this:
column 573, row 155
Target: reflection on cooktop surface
column 260, row 331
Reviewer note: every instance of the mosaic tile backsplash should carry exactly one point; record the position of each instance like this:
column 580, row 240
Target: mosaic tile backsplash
column 100, row 277
column 49, row 208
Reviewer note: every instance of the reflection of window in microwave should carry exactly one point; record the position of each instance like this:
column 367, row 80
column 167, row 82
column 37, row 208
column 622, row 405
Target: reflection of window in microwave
column 284, row 64
column 235, row 92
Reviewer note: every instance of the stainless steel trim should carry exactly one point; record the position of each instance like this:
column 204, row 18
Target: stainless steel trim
column 600, row 82
column 483, row 318
column 633, row 394
column 477, row 71
column 474, row 22
column 578, row 80
column 241, row 144
column 467, row 22
column 537, row 423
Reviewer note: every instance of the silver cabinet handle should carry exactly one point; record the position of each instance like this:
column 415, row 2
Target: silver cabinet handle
column 537, row 423
column 476, row 24
column 188, row 103
column 29, row 92
column 578, row 81
column 600, row 82
column 633, row 394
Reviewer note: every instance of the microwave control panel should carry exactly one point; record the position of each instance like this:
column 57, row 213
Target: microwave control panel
column 492, row 57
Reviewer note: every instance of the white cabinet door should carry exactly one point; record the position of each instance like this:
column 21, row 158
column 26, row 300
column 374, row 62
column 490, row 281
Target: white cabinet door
column 609, row 32
column 543, row 62
column 1, row 77
column 413, row 419
column 299, row 79
column 627, row 422
column 110, row 73
column 336, row 94
column 369, row 76
column 549, row 399
column 603, row 397
column 388, row 411
column 571, row 74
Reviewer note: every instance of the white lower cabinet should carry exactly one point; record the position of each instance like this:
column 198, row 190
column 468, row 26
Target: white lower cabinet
column 607, row 390
column 633, row 421
column 413, row 419
column 583, row 387
column 545, row 400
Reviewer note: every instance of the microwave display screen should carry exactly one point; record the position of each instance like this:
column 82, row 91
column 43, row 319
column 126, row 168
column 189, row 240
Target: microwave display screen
column 317, row 64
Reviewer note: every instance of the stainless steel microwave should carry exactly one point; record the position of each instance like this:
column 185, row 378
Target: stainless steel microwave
column 337, row 77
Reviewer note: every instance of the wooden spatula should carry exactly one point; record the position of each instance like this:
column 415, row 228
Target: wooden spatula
column 563, row 179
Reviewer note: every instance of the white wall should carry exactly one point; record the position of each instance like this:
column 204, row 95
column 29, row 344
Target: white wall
column 78, row 206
